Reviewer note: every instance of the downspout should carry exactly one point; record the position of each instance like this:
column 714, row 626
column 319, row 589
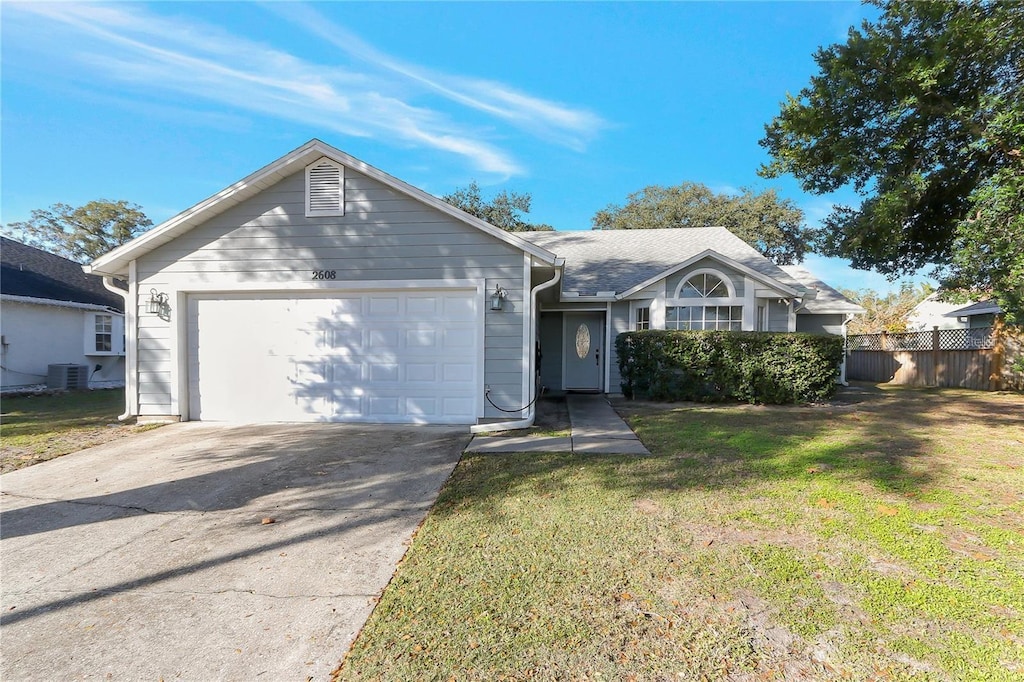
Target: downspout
column 129, row 346
column 846, row 350
column 531, row 413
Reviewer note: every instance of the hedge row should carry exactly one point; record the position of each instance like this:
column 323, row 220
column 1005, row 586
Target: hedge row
column 755, row 367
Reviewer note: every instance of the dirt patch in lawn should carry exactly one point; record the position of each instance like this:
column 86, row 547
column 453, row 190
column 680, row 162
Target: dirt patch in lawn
column 37, row 428
column 18, row 457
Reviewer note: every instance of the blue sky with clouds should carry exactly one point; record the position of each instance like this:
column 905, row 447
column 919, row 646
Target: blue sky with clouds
column 578, row 104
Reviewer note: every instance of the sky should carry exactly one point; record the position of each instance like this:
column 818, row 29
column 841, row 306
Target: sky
column 578, row 104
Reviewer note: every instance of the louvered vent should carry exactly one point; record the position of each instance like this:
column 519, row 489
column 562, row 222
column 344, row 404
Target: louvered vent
column 324, row 195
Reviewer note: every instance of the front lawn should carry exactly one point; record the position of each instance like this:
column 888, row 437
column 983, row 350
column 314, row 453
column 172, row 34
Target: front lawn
column 35, row 428
column 880, row 540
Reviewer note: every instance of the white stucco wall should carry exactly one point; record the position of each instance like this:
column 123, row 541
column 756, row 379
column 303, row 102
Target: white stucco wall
column 35, row 336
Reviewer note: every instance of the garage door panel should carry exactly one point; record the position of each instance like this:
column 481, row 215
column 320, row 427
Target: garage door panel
column 416, row 372
column 401, row 357
column 458, row 338
column 422, row 306
column 383, row 306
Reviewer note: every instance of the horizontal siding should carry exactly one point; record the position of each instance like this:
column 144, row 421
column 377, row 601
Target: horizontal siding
column 384, row 235
column 268, row 248
column 778, row 316
column 349, row 268
column 619, row 324
column 820, row 324
column 551, row 348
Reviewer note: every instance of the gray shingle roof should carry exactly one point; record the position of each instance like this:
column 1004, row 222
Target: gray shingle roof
column 828, row 300
column 28, row 271
column 980, row 308
column 618, row 260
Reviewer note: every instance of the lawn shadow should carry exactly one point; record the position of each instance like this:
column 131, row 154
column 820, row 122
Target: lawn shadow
column 882, row 437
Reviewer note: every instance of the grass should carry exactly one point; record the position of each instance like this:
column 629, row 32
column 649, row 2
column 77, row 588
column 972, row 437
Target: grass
column 880, row 540
column 36, row 428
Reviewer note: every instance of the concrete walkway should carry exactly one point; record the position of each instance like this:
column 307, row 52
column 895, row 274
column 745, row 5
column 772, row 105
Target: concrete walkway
column 596, row 429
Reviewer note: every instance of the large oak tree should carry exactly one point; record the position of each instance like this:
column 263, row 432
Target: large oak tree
column 505, row 209
column 773, row 226
column 82, row 233
column 922, row 112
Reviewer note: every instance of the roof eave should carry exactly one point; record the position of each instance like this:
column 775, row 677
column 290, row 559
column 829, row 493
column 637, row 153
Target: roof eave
column 115, row 263
column 725, row 260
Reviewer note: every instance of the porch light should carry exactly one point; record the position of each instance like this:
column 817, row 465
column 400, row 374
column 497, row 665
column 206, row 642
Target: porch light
column 498, row 297
column 158, row 304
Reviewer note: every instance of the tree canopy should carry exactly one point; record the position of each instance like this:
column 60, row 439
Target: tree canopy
column 922, row 112
column 82, row 234
column 505, row 210
column 773, row 226
column 885, row 313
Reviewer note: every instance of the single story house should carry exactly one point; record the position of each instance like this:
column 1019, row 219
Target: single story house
column 932, row 312
column 55, row 314
column 320, row 288
column 977, row 315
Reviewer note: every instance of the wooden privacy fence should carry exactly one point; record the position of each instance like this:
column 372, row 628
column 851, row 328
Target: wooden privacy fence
column 969, row 358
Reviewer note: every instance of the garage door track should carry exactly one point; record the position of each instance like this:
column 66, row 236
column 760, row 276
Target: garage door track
column 200, row 551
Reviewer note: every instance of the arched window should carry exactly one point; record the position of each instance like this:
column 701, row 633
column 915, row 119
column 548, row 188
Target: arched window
column 704, row 285
column 700, row 290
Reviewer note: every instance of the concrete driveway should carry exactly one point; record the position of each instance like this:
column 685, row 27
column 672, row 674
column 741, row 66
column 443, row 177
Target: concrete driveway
column 148, row 558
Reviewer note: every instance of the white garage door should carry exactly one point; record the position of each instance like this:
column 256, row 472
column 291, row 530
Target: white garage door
column 404, row 357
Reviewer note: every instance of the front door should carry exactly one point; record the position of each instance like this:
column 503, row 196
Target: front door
column 583, row 337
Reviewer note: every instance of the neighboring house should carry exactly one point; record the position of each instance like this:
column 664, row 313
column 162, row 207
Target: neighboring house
column 976, row 315
column 933, row 312
column 322, row 289
column 52, row 313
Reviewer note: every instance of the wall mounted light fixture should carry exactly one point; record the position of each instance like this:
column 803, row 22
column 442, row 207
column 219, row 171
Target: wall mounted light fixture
column 159, row 305
column 498, row 297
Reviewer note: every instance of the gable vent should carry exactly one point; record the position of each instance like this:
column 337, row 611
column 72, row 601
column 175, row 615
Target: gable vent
column 325, row 189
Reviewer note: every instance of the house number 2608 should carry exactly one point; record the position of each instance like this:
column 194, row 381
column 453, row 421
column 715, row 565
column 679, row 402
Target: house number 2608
column 325, row 274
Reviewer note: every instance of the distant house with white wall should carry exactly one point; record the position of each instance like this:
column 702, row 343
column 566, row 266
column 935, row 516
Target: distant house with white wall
column 52, row 313
column 976, row 315
column 933, row 312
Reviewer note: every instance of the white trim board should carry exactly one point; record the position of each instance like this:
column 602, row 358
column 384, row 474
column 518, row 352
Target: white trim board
column 713, row 255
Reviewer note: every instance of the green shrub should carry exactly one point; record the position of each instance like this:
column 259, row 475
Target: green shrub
column 754, row 367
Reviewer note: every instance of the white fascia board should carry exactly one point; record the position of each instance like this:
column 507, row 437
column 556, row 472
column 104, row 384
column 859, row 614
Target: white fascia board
column 32, row 300
column 116, row 262
column 724, row 260
column 849, row 308
column 576, row 297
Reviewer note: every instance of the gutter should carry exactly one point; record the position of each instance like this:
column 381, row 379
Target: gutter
column 531, row 413
column 129, row 350
column 33, row 300
column 846, row 350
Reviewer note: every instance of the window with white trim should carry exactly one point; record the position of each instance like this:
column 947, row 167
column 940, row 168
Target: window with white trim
column 727, row 317
column 104, row 337
column 104, row 334
column 643, row 318
column 705, row 300
column 325, row 188
column 704, row 285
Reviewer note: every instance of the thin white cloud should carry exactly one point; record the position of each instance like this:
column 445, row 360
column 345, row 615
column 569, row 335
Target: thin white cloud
column 177, row 56
column 553, row 121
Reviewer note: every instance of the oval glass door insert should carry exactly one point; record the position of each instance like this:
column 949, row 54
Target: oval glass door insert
column 582, row 341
